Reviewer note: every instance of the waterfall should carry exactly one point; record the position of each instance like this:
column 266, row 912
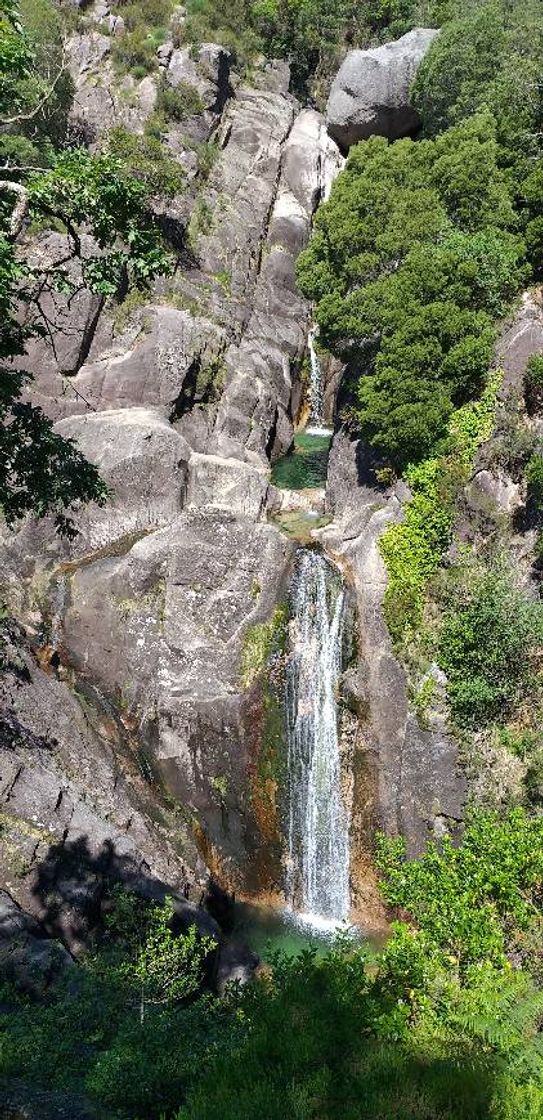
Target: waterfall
column 318, row 825
column 316, row 417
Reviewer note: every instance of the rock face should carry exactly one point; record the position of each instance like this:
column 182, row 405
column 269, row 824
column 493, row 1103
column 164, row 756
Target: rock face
column 370, row 94
column 76, row 809
column 407, row 779
column 145, row 623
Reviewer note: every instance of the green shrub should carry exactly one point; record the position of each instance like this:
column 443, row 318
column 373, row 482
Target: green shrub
column 207, row 155
column 533, row 384
column 413, row 549
column 534, row 483
column 147, row 159
column 135, row 51
column 488, row 645
column 261, row 642
column 470, row 900
column 179, row 103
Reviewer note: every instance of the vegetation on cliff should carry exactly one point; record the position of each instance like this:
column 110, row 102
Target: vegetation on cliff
column 419, row 252
column 416, row 258
column 110, row 240
column 444, row 1022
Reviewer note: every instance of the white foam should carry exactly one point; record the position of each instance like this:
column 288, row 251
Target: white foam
column 315, row 431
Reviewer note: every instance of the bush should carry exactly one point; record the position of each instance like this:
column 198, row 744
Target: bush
column 533, row 384
column 179, row 103
column 413, row 549
column 488, row 645
column 136, row 52
column 470, row 900
column 534, row 483
column 147, row 159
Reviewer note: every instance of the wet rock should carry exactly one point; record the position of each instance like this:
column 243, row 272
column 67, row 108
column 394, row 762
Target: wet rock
column 370, row 93
column 236, row 965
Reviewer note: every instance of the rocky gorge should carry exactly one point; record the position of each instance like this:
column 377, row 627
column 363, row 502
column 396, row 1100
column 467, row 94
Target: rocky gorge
column 142, row 733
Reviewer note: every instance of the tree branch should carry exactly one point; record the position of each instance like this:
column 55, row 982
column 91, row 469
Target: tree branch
column 19, row 117
column 20, row 209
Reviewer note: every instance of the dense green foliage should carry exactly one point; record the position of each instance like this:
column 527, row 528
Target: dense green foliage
column 146, row 24
column 411, row 261
column 438, row 1024
column 471, row 901
column 145, row 158
column 489, row 644
column 491, row 58
column 413, row 549
column 127, row 1026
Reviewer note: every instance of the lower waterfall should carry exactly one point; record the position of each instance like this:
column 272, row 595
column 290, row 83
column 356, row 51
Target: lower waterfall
column 318, row 824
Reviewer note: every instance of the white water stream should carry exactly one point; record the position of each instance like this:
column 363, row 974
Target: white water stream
column 318, row 824
column 316, row 403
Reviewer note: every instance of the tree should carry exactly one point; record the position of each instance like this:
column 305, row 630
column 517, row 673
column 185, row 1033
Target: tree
column 489, row 57
column 412, row 259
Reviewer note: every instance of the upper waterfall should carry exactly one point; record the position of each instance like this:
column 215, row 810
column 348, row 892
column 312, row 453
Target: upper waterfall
column 316, row 416
column 318, row 825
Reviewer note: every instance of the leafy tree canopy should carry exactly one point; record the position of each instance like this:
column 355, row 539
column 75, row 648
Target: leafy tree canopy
column 413, row 257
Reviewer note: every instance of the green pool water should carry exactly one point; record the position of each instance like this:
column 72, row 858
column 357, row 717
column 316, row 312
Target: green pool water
column 306, row 465
column 266, row 931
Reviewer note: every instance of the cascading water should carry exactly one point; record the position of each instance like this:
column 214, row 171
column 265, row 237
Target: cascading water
column 318, row 825
column 316, row 416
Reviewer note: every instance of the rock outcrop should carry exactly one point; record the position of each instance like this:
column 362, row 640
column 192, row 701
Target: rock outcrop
column 79, row 805
column 145, row 623
column 408, row 778
column 370, row 93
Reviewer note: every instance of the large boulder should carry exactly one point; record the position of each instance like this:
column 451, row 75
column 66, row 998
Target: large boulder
column 370, row 94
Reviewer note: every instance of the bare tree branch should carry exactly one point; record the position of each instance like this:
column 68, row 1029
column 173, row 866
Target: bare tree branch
column 20, row 209
column 19, row 117
column 20, row 169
